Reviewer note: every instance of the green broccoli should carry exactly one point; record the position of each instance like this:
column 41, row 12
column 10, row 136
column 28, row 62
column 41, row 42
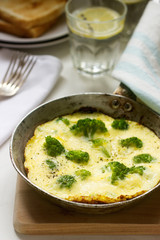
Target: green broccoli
column 102, row 144
column 88, row 127
column 120, row 124
column 64, row 120
column 143, row 158
column 138, row 170
column 119, row 170
column 78, row 156
column 53, row 146
column 51, row 164
column 66, row 181
column 132, row 141
column 98, row 142
column 83, row 173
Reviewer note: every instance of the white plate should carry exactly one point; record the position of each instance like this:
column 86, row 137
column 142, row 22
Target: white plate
column 34, row 45
column 56, row 34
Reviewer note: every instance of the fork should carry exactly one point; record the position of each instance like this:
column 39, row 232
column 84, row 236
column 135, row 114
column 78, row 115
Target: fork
column 17, row 72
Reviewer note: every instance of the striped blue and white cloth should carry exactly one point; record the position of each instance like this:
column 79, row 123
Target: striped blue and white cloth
column 139, row 66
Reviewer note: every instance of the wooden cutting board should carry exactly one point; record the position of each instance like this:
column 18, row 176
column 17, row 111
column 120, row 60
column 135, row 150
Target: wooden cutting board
column 36, row 215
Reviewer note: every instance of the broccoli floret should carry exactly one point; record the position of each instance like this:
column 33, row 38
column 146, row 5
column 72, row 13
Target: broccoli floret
column 51, row 164
column 143, row 158
column 138, row 170
column 132, row 141
column 119, row 171
column 83, row 173
column 88, row 127
column 64, row 120
column 120, row 124
column 66, row 181
column 101, row 143
column 78, row 156
column 53, row 146
column 98, row 142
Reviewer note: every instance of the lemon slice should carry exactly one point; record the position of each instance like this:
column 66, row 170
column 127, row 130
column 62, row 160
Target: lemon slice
column 97, row 22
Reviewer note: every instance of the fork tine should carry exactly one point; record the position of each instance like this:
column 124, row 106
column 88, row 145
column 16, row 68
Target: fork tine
column 24, row 71
column 29, row 69
column 31, row 61
column 16, row 69
column 10, row 67
column 25, row 63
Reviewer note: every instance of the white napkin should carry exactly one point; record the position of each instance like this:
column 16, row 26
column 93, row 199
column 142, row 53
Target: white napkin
column 139, row 66
column 36, row 88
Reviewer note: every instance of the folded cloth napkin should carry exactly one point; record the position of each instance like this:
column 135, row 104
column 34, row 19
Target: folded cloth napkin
column 139, row 65
column 36, row 88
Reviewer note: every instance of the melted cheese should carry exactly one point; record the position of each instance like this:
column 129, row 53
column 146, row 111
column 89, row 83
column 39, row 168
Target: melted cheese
column 97, row 187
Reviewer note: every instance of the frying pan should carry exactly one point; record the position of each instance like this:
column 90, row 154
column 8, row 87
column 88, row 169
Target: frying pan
column 113, row 105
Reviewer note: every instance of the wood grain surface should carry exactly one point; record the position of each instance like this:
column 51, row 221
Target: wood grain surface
column 37, row 216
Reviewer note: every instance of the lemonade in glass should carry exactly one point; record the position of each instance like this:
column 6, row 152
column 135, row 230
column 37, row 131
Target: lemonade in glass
column 95, row 27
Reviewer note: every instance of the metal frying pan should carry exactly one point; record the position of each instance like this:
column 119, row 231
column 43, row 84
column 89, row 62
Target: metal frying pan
column 113, row 105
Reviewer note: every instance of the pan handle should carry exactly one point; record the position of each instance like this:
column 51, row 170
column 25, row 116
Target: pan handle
column 123, row 90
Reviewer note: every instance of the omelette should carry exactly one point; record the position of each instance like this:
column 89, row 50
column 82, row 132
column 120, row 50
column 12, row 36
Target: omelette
column 93, row 158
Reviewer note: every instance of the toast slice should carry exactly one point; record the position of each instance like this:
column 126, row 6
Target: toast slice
column 26, row 33
column 28, row 14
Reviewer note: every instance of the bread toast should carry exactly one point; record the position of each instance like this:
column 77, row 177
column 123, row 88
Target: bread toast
column 21, row 32
column 26, row 14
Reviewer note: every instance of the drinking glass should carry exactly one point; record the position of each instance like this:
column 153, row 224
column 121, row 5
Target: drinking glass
column 95, row 27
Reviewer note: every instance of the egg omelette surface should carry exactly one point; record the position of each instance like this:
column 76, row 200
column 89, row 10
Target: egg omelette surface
column 93, row 158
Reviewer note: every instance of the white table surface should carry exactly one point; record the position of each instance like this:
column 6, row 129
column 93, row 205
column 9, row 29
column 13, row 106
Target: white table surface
column 70, row 82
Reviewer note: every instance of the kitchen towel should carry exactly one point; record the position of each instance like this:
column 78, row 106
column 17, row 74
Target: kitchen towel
column 139, row 65
column 36, row 88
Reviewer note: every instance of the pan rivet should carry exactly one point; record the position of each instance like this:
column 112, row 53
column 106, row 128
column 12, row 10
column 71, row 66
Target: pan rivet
column 115, row 104
column 128, row 106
